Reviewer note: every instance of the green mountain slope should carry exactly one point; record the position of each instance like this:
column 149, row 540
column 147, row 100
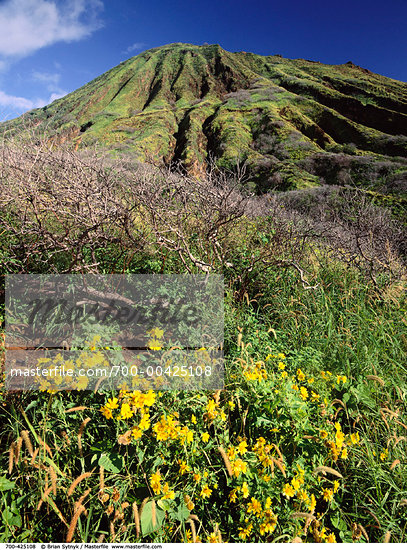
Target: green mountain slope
column 295, row 122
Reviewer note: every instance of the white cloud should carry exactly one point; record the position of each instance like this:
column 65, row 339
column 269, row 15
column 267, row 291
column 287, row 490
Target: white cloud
column 19, row 103
column 29, row 25
column 22, row 104
column 51, row 79
column 57, row 95
column 134, row 47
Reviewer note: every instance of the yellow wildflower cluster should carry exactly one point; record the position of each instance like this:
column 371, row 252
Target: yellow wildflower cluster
column 131, row 404
column 339, row 445
column 268, row 519
column 155, row 483
column 89, row 360
column 321, row 534
column 167, row 428
column 264, row 453
column 156, row 335
column 296, row 488
column 238, row 467
column 214, row 411
column 255, row 371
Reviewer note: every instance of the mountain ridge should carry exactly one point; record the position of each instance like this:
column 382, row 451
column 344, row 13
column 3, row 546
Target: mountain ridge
column 186, row 103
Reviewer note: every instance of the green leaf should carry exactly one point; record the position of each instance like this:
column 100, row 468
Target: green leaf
column 262, row 421
column 10, row 518
column 111, row 462
column 5, row 484
column 31, row 405
column 146, row 519
column 182, row 512
column 165, row 505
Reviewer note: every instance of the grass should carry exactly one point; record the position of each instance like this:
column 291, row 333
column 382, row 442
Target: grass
column 307, row 439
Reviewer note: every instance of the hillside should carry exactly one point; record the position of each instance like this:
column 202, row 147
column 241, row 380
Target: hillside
column 299, row 434
column 296, row 122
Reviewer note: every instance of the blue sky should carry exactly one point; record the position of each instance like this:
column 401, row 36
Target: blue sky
column 51, row 47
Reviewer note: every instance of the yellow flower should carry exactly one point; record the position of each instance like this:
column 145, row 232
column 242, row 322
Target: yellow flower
column 168, row 493
column 284, row 374
column 245, row 489
column 107, row 413
column 242, row 447
column 136, row 433
column 302, row 495
column 144, row 422
column 157, row 332
column 155, row 482
column 330, row 538
column 344, row 453
column 312, row 503
column 288, row 491
column 328, row 494
column 112, row 403
column 245, row 532
column 355, row 438
column 82, row 382
column 232, row 452
column 186, row 435
column 254, row 507
column 270, row 522
column 166, row 428
column 183, row 467
column 304, row 393
column 154, row 344
column 231, row 405
column 238, row 467
column 44, row 384
column 336, row 486
column 205, row 437
column 197, row 477
column 340, row 379
column 233, row 495
column 281, row 366
column 340, row 436
column 300, row 375
column 193, row 419
column 206, row 492
column 211, row 409
column 296, row 483
column 384, row 455
column 126, row 411
column 149, row 398
column 212, row 538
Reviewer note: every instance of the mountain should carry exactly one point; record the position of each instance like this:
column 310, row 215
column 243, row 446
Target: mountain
column 296, row 123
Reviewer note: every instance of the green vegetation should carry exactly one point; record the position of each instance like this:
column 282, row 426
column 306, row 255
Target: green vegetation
column 296, row 123
column 307, row 440
column 193, row 148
